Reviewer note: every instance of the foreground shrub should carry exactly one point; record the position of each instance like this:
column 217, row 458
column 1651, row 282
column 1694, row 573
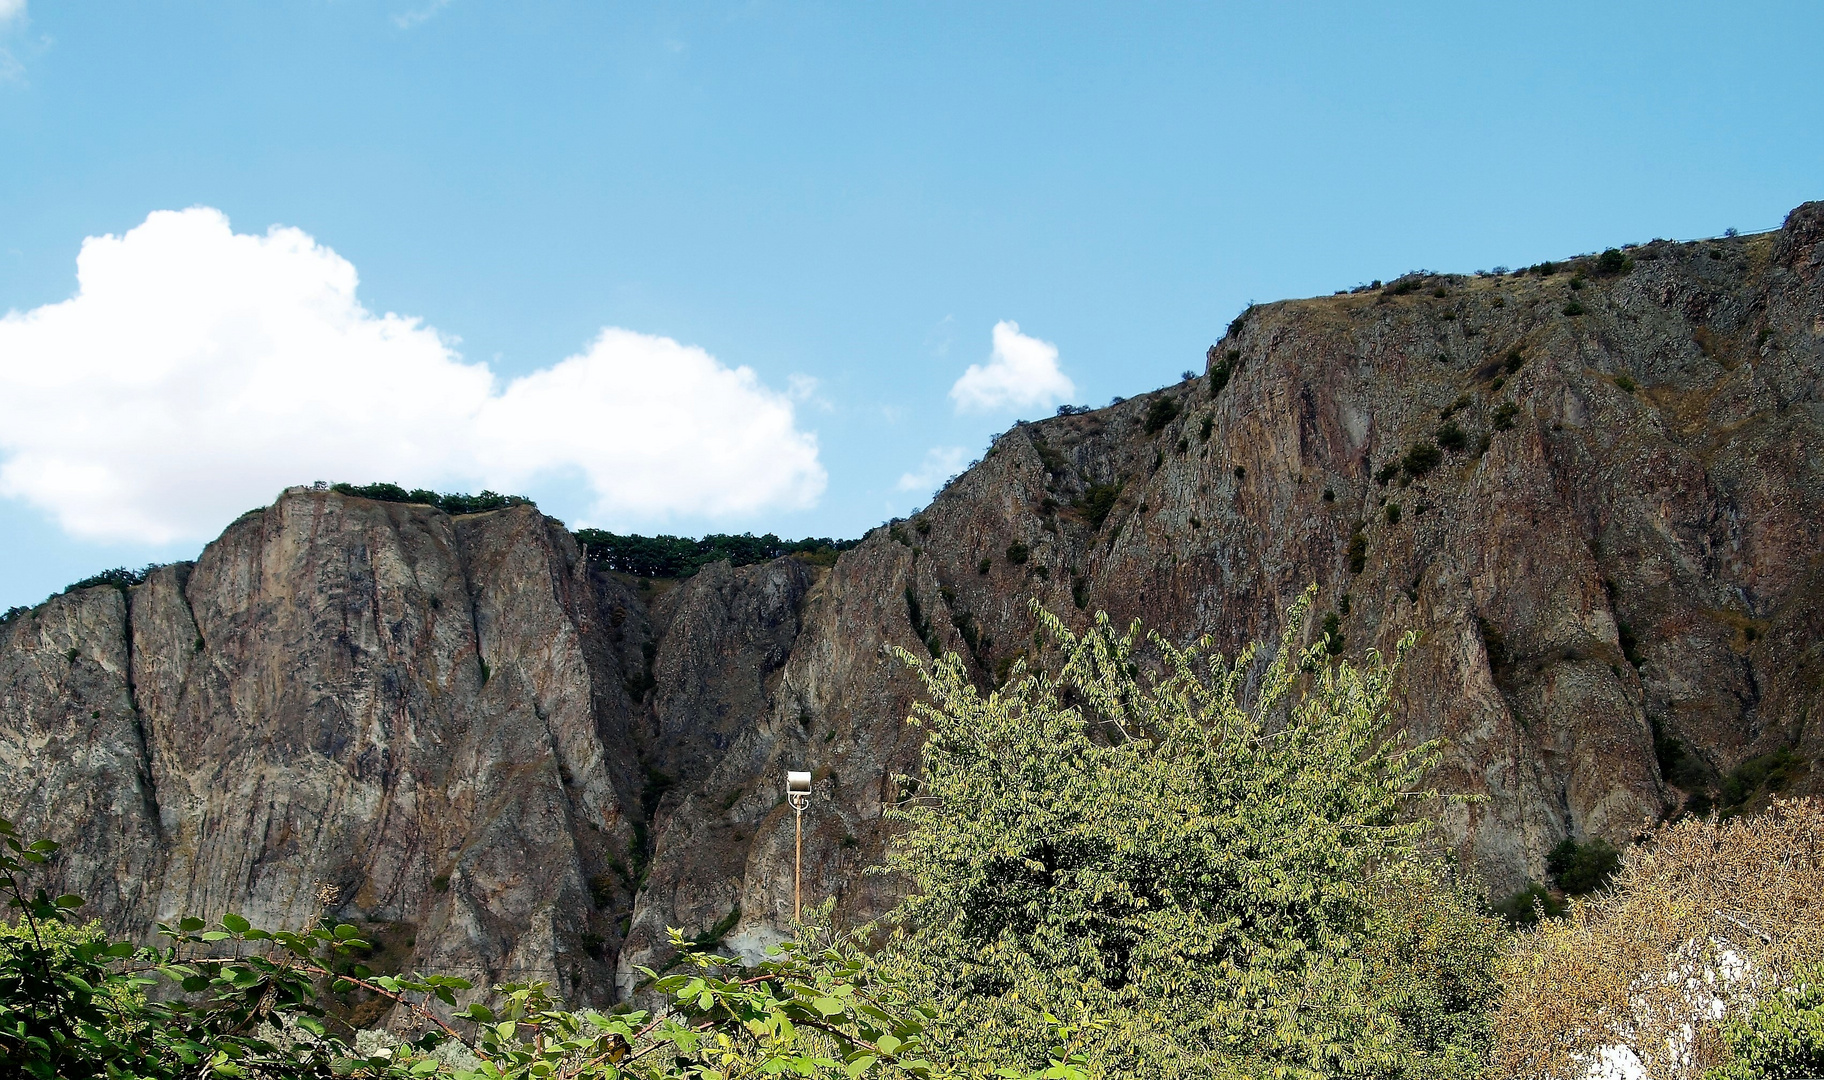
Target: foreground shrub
column 238, row 1001
column 1211, row 858
column 1783, row 1037
column 1703, row 922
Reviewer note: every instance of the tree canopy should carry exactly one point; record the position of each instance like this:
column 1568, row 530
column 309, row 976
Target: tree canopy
column 1215, row 862
column 681, row 556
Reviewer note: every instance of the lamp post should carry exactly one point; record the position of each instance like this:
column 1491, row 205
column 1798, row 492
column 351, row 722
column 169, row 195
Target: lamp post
column 798, row 793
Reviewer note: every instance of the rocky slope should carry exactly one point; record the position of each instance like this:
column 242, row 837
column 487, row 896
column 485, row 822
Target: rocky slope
column 1593, row 491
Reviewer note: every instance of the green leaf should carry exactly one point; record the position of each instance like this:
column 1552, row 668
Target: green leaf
column 345, row 931
column 828, row 1006
column 236, row 924
column 190, row 924
column 860, row 1065
column 69, row 900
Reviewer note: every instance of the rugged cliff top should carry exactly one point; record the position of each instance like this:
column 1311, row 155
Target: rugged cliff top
column 1591, row 487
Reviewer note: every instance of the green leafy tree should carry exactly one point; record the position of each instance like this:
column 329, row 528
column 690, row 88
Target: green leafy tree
column 239, row 1001
column 1212, row 866
column 73, row 1004
column 1783, row 1037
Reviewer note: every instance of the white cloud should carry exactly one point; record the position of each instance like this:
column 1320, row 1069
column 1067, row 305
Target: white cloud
column 196, row 372
column 656, row 428
column 1021, row 372
column 804, row 388
column 12, row 14
column 941, row 463
column 414, row 17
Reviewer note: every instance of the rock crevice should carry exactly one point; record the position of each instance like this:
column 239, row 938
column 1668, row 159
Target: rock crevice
column 1592, row 490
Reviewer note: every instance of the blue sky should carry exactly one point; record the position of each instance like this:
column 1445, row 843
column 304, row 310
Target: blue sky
column 845, row 199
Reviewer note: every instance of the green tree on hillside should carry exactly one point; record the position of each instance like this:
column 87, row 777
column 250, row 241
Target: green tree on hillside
column 1216, row 866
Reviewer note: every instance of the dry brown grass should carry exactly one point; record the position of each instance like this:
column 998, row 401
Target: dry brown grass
column 1632, row 966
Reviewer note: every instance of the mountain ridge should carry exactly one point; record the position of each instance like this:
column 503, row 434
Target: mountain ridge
column 1591, row 488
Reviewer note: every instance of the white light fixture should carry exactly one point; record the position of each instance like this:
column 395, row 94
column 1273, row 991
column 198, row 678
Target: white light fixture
column 798, row 793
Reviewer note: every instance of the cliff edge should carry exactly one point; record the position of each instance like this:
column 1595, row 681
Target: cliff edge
column 1591, row 487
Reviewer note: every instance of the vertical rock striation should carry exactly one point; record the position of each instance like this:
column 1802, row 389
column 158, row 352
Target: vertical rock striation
column 1592, row 489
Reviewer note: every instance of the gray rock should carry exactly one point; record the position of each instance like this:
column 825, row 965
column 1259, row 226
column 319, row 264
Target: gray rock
column 523, row 767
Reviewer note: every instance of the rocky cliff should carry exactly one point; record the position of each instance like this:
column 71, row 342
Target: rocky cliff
column 1592, row 488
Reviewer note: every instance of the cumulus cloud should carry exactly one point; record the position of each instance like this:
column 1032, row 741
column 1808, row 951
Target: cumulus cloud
column 198, row 371
column 1021, row 372
column 656, row 427
column 941, row 463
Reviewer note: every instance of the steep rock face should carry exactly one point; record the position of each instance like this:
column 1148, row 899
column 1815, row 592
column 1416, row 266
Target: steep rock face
column 74, row 751
column 519, row 766
column 1630, row 559
column 836, row 705
column 347, row 696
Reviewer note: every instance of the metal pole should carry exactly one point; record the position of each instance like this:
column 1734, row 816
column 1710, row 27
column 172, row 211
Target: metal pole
column 798, row 792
